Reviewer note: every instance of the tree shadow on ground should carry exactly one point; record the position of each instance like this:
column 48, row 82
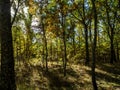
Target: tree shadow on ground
column 112, row 69
column 57, row 81
column 23, row 75
column 106, row 77
column 72, row 73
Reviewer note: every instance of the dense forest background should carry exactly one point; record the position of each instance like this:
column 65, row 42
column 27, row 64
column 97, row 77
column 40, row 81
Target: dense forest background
column 60, row 44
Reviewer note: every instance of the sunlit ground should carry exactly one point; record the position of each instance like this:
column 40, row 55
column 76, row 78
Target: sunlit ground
column 32, row 76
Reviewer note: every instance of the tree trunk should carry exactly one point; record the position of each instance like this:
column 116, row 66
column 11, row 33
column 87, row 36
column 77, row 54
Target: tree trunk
column 46, row 49
column 113, row 56
column 117, row 51
column 51, row 51
column 64, row 43
column 7, row 58
column 90, row 32
column 86, row 35
column 86, row 45
column 94, row 47
column 65, row 55
column 74, row 43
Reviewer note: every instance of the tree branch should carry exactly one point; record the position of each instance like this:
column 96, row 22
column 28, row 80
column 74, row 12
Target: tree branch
column 16, row 10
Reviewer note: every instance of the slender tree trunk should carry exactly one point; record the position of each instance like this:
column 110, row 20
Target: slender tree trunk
column 57, row 50
column 90, row 32
column 79, row 43
column 7, row 58
column 46, row 49
column 64, row 43
column 73, row 38
column 23, row 61
column 20, row 49
column 86, row 45
column 43, row 54
column 65, row 55
column 94, row 47
column 111, row 49
column 51, row 50
column 117, row 51
column 86, row 35
column 74, row 43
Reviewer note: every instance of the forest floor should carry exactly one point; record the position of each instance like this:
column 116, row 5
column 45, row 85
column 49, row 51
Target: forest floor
column 32, row 76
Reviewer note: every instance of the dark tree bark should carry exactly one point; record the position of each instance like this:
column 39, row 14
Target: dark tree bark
column 90, row 32
column 51, row 50
column 86, row 35
column 117, row 50
column 86, row 45
column 111, row 47
column 74, row 42
column 94, row 47
column 64, row 43
column 7, row 59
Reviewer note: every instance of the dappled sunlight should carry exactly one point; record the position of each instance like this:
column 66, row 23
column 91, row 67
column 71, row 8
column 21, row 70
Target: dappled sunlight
column 78, row 77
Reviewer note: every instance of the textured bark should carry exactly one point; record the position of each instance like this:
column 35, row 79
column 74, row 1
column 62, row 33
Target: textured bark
column 7, row 59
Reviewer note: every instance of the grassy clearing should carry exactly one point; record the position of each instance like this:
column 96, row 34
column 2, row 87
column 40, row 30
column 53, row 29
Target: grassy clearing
column 32, row 76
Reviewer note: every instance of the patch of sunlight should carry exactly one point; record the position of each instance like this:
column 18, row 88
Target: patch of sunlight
column 108, row 65
column 35, row 61
column 72, row 79
column 113, row 84
column 87, row 78
column 105, row 84
column 101, row 71
column 108, row 74
column 24, row 87
column 35, row 76
column 102, row 83
column 87, row 68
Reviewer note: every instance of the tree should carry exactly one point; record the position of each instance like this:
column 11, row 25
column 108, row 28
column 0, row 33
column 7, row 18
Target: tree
column 111, row 30
column 84, row 18
column 42, row 25
column 63, row 20
column 94, row 46
column 7, row 59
